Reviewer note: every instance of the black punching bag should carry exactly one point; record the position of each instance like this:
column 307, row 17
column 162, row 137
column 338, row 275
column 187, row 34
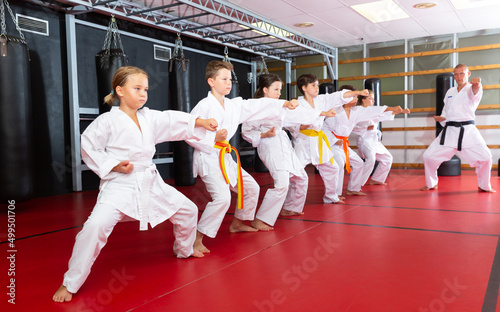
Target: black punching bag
column 16, row 136
column 443, row 83
column 328, row 87
column 180, row 100
column 107, row 61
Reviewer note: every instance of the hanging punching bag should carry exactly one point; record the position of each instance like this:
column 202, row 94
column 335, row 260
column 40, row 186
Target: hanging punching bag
column 16, row 136
column 443, row 83
column 327, row 88
column 107, row 61
column 180, row 100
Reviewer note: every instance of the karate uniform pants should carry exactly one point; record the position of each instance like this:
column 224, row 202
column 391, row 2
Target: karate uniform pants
column 289, row 192
column 356, row 175
column 220, row 191
column 96, row 230
column 377, row 153
column 478, row 156
column 329, row 173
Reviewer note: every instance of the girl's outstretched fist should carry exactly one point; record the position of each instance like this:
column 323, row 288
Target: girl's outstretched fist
column 291, row 104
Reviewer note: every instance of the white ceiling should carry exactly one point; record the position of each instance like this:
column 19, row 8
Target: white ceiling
column 338, row 25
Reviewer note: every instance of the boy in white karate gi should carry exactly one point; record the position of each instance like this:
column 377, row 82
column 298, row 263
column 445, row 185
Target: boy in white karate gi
column 212, row 160
column 459, row 132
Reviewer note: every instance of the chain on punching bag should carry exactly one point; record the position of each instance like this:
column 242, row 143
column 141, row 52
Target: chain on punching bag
column 180, row 100
column 107, row 61
column 16, row 136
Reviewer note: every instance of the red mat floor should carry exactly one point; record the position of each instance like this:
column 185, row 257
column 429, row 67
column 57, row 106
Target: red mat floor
column 396, row 249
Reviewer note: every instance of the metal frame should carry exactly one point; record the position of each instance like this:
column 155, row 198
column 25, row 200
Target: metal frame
column 227, row 12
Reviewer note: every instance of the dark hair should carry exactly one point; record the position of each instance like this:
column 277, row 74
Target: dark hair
column 304, row 80
column 265, row 81
column 213, row 68
column 120, row 79
column 362, row 97
column 347, row 87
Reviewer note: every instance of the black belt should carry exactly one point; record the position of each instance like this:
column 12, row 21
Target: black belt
column 460, row 124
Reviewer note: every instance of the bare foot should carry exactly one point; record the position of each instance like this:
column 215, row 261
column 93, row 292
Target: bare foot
column 373, row 182
column 197, row 253
column 341, row 197
column 198, row 244
column 289, row 213
column 425, row 188
column 238, row 226
column 487, row 191
column 355, row 193
column 62, row 295
column 261, row 226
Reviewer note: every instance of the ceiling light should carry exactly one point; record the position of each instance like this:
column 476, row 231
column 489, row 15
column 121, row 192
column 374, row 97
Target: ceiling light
column 425, row 5
column 380, row 11
column 304, row 25
column 468, row 4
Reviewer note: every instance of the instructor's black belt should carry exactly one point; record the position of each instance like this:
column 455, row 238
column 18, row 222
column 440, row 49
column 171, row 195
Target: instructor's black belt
column 460, row 124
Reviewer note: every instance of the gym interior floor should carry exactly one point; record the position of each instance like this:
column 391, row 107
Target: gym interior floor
column 396, row 249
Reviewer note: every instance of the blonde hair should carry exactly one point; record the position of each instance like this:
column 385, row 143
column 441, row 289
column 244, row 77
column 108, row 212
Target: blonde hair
column 120, row 79
column 213, row 68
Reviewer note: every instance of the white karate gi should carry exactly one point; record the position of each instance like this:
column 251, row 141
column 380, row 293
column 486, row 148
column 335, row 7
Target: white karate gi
column 278, row 155
column 141, row 195
column 371, row 149
column 342, row 126
column 206, row 157
column 307, row 147
column 460, row 106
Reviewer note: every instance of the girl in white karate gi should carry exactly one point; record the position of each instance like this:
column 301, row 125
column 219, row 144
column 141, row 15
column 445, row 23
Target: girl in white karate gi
column 219, row 171
column 309, row 139
column 338, row 130
column 459, row 112
column 119, row 146
column 370, row 148
column 276, row 152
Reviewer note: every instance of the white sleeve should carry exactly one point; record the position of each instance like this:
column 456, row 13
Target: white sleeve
column 250, row 131
column 93, row 148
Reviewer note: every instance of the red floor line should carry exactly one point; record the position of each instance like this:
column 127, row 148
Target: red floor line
column 424, row 209
column 394, row 227
column 45, row 233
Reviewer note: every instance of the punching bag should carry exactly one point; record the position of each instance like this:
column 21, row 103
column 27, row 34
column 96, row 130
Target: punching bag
column 180, row 100
column 327, row 87
column 107, row 61
column 16, row 135
column 443, row 83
